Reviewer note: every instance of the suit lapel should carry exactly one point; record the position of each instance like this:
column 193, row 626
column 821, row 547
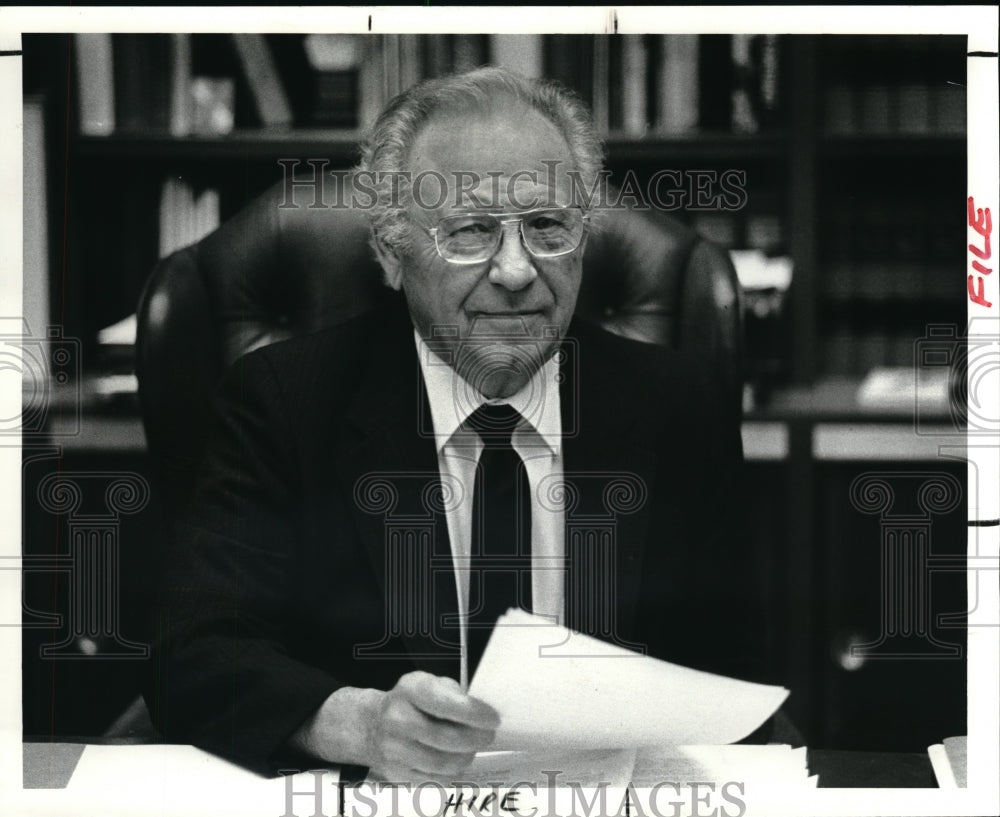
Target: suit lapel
column 391, row 471
column 611, row 468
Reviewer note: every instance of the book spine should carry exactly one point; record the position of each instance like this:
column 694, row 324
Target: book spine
column 370, row 98
column 131, row 71
column 470, row 51
column 715, row 79
column 568, row 61
column 744, row 99
column 678, row 84
column 438, row 58
column 37, row 280
column 601, row 72
column 767, row 56
column 269, row 97
column 635, row 103
column 158, row 82
column 390, row 66
column 409, row 61
column 180, row 84
column 520, row 53
column 95, row 84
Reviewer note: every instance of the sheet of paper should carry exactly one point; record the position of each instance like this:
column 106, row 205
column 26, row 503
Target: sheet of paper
column 555, row 687
column 688, row 764
column 182, row 778
column 554, row 767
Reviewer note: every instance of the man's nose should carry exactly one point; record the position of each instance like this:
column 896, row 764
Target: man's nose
column 512, row 266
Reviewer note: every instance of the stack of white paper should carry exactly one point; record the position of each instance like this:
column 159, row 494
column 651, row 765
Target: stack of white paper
column 777, row 765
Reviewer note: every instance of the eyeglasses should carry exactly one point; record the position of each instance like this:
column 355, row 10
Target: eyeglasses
column 471, row 238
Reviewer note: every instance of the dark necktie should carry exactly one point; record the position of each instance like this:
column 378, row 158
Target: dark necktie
column 500, row 574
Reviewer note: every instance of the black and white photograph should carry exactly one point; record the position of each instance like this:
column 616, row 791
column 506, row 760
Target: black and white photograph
column 524, row 412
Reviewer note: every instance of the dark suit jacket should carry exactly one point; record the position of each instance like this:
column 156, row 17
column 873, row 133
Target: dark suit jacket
column 318, row 468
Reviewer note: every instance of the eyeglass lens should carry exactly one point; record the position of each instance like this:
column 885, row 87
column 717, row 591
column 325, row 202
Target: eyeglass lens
column 474, row 237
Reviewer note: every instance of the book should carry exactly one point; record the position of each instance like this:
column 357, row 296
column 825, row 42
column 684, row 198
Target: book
column 335, row 65
column 131, row 71
column 142, row 80
column 678, row 83
column 36, row 233
column 766, row 55
column 898, row 387
column 180, row 85
column 743, row 97
column 568, row 60
column 409, row 60
column 270, row 100
column 470, row 51
column 600, row 79
column 438, row 56
column 95, row 84
column 390, row 66
column 876, row 109
column 370, row 99
column 635, row 67
column 521, row 53
column 184, row 217
column 715, row 79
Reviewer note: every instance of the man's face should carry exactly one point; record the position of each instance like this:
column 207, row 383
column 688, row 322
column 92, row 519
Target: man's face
column 511, row 151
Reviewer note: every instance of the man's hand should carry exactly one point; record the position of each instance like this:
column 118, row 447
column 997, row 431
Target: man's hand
column 424, row 728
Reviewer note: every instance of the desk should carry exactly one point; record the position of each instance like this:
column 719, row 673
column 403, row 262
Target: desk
column 51, row 765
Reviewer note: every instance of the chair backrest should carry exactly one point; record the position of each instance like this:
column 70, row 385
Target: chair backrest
column 280, row 268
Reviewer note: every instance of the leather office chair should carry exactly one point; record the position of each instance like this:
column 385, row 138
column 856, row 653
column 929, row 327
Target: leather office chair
column 273, row 272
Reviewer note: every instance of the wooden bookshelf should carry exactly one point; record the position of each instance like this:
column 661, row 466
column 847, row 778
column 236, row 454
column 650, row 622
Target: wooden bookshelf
column 806, row 168
column 340, row 146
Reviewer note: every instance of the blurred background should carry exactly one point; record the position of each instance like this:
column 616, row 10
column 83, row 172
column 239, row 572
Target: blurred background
column 832, row 167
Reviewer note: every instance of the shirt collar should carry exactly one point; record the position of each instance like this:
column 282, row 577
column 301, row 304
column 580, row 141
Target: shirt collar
column 537, row 401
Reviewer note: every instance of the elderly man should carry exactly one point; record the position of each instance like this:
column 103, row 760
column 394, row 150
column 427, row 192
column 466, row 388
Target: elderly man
column 375, row 495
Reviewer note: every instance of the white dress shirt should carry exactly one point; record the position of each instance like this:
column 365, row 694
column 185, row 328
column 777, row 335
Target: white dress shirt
column 538, row 441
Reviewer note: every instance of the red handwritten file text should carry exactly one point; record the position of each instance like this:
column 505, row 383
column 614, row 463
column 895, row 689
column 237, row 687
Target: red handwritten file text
column 980, row 221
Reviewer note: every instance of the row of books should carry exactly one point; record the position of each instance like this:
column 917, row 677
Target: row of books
column 846, row 353
column 186, row 216
column 886, row 282
column 894, row 84
column 636, row 85
column 886, row 253
column 881, row 109
column 164, row 84
column 740, row 230
column 670, row 84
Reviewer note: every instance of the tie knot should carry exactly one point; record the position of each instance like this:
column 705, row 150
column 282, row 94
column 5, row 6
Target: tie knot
column 495, row 423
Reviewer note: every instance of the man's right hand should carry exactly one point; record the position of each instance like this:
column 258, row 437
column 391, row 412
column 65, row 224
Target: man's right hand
column 424, row 728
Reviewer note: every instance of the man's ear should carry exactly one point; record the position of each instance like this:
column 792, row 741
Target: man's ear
column 391, row 263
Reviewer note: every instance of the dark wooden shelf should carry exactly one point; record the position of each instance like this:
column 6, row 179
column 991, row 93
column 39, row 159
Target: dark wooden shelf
column 696, row 146
column 342, row 145
column 339, row 146
column 892, row 145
